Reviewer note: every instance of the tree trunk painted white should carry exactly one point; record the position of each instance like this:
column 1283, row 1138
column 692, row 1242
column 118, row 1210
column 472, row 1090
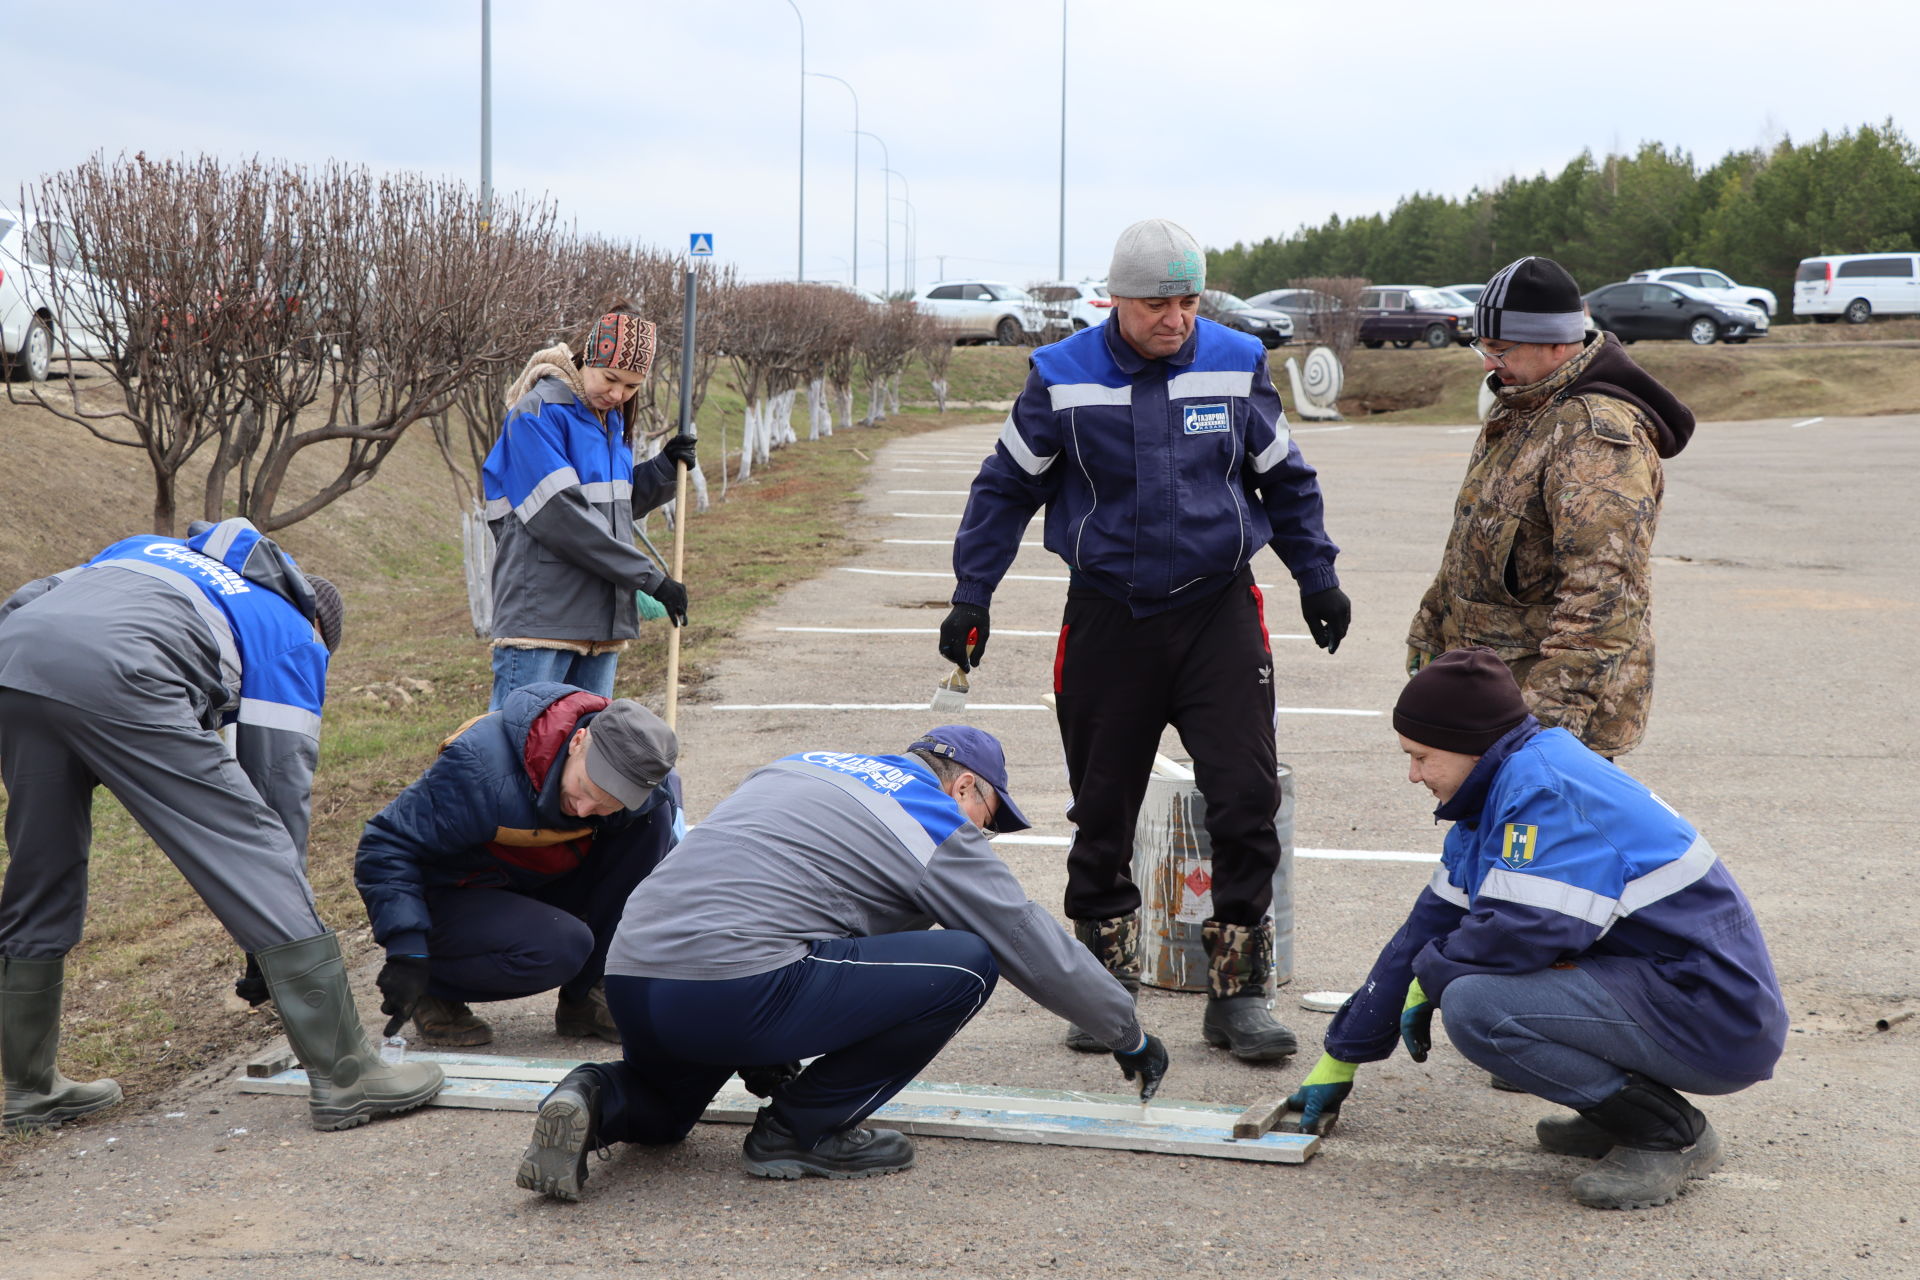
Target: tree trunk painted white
column 476, row 547
column 846, row 404
column 940, row 393
column 893, row 394
column 876, row 402
column 781, row 432
column 749, row 440
column 819, row 417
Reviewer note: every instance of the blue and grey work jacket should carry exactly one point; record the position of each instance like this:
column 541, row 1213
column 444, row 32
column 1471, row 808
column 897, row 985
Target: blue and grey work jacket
column 1558, row 857
column 1161, row 478
column 218, row 627
column 562, row 492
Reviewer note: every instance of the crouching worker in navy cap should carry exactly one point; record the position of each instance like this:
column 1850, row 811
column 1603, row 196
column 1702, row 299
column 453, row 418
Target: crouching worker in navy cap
column 1580, row 938
column 794, row 922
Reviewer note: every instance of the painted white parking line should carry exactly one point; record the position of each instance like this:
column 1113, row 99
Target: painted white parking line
column 1304, row 431
column 1011, row 577
column 1329, row 855
column 938, row 573
column 872, row 706
column 932, row 471
column 924, row 515
column 914, row 631
column 1808, row 423
column 1460, row 431
column 937, row 542
column 927, row 493
column 979, row 706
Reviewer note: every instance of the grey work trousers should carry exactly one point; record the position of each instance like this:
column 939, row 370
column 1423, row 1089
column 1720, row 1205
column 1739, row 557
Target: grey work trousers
column 180, row 785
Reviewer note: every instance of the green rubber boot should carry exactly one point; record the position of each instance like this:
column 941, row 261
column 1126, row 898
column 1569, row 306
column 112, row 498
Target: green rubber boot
column 38, row 1096
column 1115, row 944
column 348, row 1084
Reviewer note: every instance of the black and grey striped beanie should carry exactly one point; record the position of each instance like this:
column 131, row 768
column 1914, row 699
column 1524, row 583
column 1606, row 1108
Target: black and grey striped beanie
column 1532, row 300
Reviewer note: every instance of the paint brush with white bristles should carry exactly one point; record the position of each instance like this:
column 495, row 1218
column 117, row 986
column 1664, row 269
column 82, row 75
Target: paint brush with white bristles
column 950, row 695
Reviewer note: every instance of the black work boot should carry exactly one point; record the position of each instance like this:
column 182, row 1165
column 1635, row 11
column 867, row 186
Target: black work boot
column 1115, row 944
column 565, row 1132
column 38, row 1096
column 1660, row 1140
column 771, row 1151
column 1573, row 1135
column 1239, row 969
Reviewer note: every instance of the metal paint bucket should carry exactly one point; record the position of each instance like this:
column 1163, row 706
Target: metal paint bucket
column 1173, row 865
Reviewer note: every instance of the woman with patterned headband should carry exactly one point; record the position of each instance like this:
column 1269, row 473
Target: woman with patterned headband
column 562, row 492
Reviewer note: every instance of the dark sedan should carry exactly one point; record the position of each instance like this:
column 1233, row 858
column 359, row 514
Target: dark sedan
column 1633, row 310
column 1273, row 328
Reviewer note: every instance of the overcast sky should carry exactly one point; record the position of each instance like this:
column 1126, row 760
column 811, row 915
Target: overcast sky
column 1242, row 119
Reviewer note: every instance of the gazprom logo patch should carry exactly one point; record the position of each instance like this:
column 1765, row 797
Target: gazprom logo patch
column 1198, row 419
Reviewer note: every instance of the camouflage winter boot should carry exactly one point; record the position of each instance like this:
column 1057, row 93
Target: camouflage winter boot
column 1239, row 974
column 1116, row 945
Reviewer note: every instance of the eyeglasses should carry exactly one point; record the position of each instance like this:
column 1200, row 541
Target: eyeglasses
column 1478, row 347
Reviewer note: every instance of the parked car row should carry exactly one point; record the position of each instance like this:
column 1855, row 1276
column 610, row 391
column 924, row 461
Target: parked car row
column 1632, row 310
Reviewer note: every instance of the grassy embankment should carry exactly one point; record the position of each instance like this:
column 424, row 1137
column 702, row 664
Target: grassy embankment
column 148, row 990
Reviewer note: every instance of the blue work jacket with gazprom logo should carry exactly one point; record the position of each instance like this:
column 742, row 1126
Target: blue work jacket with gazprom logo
column 1161, row 478
column 271, row 656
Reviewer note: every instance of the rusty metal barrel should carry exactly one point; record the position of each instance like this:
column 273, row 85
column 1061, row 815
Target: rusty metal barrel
column 1173, row 865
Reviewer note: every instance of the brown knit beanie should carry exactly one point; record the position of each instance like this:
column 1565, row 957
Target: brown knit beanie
column 1464, row 700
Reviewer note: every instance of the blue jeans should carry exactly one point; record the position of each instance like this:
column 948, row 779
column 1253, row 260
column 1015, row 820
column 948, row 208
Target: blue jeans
column 515, row 668
column 876, row 1010
column 1559, row 1034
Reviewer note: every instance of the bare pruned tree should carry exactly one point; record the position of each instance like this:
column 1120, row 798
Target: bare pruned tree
column 887, row 341
column 934, row 342
column 270, row 310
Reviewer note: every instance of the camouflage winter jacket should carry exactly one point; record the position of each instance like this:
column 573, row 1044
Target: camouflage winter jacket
column 1548, row 563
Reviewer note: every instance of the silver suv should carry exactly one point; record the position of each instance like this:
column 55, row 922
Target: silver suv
column 985, row 311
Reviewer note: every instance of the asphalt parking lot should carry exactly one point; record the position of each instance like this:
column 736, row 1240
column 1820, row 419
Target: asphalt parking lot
column 1784, row 724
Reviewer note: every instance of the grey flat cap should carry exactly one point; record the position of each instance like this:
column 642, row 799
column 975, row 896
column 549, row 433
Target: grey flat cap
column 629, row 752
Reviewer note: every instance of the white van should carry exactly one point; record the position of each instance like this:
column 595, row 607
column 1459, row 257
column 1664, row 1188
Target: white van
column 1858, row 286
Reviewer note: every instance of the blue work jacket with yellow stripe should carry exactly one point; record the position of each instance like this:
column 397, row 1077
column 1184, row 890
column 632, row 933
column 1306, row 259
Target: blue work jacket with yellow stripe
column 1161, row 478
column 1558, row 856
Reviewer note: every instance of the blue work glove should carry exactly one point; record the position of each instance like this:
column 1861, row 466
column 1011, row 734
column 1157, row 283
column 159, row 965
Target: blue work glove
column 1416, row 1023
column 1148, row 1062
column 1319, row 1096
column 963, row 636
column 1328, row 614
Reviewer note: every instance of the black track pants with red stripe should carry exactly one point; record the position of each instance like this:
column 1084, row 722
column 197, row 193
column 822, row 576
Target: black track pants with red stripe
column 1206, row 669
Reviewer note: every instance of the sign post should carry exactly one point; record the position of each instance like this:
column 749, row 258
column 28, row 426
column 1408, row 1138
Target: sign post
column 700, row 246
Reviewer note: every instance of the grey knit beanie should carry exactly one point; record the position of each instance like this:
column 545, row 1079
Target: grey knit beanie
column 1156, row 259
column 329, row 611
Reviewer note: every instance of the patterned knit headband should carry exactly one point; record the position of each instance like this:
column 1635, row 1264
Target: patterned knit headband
column 622, row 342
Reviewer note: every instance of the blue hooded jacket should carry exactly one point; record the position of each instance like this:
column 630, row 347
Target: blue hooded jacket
column 1558, row 855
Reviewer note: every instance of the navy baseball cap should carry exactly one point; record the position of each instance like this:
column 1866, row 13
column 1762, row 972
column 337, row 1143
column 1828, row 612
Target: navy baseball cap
column 978, row 752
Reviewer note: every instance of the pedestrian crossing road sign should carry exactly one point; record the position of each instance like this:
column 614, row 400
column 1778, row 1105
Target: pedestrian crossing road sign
column 702, row 244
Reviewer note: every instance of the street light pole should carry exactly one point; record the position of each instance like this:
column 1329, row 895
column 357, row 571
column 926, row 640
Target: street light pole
column 856, row 169
column 1063, row 141
column 886, row 234
column 486, row 114
column 907, row 231
column 800, row 268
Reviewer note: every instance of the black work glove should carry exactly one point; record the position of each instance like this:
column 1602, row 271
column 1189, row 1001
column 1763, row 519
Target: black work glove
column 762, row 1081
column 963, row 636
column 402, row 983
column 1149, row 1062
column 673, row 598
column 679, row 448
column 1328, row 614
column 251, row 986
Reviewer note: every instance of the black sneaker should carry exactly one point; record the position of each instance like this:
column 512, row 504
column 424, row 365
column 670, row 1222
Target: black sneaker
column 564, row 1133
column 770, row 1151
